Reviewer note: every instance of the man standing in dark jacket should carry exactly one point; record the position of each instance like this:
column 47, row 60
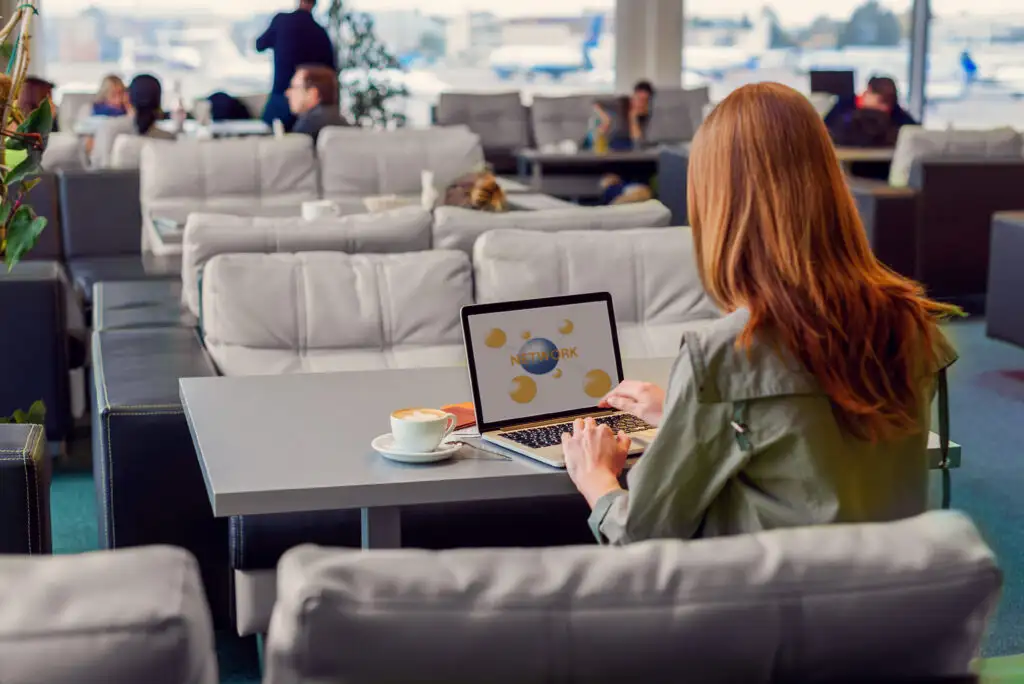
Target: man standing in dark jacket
column 296, row 39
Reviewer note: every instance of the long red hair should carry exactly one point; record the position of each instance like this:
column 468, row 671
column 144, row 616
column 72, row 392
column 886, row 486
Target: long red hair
column 776, row 231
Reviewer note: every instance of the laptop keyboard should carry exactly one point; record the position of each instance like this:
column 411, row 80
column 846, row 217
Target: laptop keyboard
column 550, row 435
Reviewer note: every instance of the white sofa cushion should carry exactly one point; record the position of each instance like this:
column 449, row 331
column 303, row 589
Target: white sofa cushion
column 64, row 152
column 127, row 150
column 207, row 235
column 650, row 273
column 908, row 599
column 557, row 119
column 118, row 617
column 915, row 143
column 500, row 119
column 359, row 163
column 458, row 228
column 323, row 311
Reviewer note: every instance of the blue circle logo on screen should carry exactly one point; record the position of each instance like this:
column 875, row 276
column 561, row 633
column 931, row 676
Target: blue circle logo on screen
column 539, row 356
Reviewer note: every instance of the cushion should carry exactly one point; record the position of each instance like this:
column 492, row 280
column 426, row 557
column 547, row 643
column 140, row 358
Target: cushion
column 557, row 119
column 127, row 151
column 357, row 162
column 650, row 273
column 500, row 119
column 458, row 228
column 64, row 151
column 207, row 235
column 915, row 143
column 676, row 114
column 117, row 617
column 322, row 311
column 840, row 602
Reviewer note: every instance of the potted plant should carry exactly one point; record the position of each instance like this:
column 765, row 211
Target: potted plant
column 22, row 138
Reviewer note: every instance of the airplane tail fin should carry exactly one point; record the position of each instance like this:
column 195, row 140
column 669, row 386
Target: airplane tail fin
column 592, row 39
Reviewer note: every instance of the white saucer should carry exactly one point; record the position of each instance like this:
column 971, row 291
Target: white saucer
column 385, row 446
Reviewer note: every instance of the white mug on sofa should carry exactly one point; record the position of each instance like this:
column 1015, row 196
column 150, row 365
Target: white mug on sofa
column 318, row 209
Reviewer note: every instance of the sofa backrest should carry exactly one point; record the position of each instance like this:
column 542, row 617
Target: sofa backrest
column 207, row 235
column 232, row 172
column 127, row 150
column 119, row 617
column 916, row 143
column 500, row 119
column 651, row 273
column 458, row 228
column 557, row 119
column 64, row 152
column 274, row 313
column 878, row 602
column 360, row 163
column 74, row 107
column 677, row 114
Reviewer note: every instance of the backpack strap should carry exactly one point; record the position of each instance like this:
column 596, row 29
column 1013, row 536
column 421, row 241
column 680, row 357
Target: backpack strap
column 944, row 437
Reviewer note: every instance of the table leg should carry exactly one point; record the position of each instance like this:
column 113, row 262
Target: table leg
column 537, row 176
column 382, row 527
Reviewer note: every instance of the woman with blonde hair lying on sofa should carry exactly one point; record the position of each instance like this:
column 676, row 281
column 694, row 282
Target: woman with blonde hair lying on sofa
column 809, row 401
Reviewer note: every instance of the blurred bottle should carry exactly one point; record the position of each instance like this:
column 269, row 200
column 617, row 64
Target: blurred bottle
column 179, row 114
column 598, row 138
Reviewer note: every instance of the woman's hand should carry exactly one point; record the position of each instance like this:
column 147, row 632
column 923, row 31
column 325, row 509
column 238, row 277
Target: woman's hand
column 644, row 400
column 594, row 458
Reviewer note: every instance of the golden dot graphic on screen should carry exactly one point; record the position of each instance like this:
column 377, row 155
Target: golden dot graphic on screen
column 496, row 338
column 523, row 389
column 596, row 383
column 526, row 335
column 557, row 373
column 567, row 327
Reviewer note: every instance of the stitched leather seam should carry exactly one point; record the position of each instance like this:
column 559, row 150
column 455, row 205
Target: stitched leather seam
column 28, row 496
column 108, row 499
column 40, row 432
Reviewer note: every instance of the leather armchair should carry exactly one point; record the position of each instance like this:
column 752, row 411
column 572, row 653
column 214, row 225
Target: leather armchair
column 34, row 362
column 149, row 485
column 1004, row 306
column 25, row 470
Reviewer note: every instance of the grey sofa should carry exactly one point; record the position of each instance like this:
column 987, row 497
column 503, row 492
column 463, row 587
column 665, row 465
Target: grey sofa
column 25, row 470
column 113, row 617
column 1004, row 307
column 902, row 601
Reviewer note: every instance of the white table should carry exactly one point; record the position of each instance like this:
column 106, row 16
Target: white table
column 301, row 442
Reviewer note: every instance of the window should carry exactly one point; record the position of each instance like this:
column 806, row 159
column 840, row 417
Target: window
column 728, row 43
column 465, row 45
column 975, row 76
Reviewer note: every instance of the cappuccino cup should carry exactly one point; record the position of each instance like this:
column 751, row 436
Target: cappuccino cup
column 421, row 430
column 317, row 209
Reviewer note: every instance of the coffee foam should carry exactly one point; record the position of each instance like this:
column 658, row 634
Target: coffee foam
column 419, row 415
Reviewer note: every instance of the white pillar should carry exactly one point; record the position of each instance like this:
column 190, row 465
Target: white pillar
column 648, row 43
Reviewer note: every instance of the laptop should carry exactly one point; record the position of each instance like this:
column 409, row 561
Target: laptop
column 537, row 365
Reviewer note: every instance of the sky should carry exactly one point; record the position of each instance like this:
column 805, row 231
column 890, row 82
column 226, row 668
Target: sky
column 790, row 11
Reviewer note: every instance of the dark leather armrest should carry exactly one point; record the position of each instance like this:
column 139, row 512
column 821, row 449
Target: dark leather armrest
column 672, row 178
column 890, row 217
column 25, row 468
column 149, row 485
column 101, row 214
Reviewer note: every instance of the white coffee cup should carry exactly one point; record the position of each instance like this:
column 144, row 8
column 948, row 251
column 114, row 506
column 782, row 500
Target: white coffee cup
column 317, row 209
column 421, row 430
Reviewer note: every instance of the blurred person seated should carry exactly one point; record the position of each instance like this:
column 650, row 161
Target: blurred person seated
column 313, row 99
column 809, row 401
column 623, row 122
column 224, row 107
column 145, row 96
column 35, row 91
column 872, row 119
column 112, row 100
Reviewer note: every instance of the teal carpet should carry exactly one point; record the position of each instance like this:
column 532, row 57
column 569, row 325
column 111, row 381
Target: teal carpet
column 986, row 417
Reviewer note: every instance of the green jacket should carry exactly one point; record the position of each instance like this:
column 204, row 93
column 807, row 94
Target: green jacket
column 750, row 442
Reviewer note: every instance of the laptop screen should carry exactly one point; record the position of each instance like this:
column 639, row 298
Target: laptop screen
column 540, row 359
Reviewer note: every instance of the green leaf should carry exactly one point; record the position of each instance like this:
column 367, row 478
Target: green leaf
column 22, row 234
column 39, row 121
column 29, row 184
column 36, row 415
column 25, row 170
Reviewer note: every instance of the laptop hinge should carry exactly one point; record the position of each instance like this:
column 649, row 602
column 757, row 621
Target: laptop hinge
column 556, row 421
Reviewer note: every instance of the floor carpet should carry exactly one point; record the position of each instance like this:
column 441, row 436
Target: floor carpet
column 986, row 418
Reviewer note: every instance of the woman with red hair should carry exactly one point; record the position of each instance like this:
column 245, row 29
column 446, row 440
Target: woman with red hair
column 809, row 401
